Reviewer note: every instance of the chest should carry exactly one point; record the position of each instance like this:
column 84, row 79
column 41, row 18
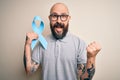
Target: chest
column 60, row 51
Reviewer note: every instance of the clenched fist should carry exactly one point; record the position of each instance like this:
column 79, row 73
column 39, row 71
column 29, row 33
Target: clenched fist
column 92, row 49
column 30, row 36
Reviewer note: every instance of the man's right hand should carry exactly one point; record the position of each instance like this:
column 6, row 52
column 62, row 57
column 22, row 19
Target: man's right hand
column 30, row 36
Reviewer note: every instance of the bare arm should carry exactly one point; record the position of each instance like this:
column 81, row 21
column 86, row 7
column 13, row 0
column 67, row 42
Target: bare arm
column 87, row 71
column 30, row 66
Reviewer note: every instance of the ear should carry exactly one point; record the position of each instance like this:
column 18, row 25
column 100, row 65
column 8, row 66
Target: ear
column 49, row 17
column 69, row 17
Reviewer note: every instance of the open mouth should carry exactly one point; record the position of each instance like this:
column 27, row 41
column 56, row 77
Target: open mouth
column 59, row 30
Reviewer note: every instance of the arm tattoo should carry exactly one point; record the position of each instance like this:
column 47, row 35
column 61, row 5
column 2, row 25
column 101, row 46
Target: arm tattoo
column 81, row 69
column 30, row 66
column 88, row 73
column 91, row 72
column 34, row 67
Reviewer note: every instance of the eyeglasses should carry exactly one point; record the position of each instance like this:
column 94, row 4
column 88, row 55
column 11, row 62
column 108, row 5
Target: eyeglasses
column 54, row 17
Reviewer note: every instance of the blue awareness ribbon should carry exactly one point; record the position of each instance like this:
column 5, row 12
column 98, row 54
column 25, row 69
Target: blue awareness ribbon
column 38, row 30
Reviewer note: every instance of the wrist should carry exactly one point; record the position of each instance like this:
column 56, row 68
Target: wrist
column 91, row 58
column 90, row 61
column 28, row 42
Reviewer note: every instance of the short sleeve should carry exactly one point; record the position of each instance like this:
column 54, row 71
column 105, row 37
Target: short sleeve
column 36, row 54
column 81, row 52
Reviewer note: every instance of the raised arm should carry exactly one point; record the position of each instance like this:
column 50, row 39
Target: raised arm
column 86, row 71
column 30, row 66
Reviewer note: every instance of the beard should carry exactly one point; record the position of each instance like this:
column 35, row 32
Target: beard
column 58, row 35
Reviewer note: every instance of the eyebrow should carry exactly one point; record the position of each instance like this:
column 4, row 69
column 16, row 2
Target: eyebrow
column 60, row 14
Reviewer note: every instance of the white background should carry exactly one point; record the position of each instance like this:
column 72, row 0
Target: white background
column 91, row 20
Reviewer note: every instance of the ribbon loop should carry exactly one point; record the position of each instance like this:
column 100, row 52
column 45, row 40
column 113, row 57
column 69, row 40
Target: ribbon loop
column 38, row 30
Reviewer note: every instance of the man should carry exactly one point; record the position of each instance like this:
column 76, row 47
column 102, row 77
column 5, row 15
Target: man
column 66, row 56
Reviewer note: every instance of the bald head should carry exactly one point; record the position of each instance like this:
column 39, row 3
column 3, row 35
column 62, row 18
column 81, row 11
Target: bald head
column 59, row 8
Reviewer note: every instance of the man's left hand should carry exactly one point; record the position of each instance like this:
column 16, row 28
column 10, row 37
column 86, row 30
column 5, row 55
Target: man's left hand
column 93, row 49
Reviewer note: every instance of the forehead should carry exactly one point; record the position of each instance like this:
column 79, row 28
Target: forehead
column 59, row 9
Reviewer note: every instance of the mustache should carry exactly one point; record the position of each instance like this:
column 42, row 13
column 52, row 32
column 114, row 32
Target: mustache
column 58, row 25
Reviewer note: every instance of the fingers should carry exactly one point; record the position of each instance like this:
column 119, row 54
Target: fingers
column 31, row 36
column 93, row 48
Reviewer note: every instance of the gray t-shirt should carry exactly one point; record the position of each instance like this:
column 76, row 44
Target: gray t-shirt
column 59, row 61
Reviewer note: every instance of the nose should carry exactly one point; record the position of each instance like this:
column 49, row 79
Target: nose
column 59, row 20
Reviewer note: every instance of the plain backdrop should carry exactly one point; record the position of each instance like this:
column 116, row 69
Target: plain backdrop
column 91, row 20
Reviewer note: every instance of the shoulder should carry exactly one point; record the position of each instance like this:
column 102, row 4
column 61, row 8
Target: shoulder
column 78, row 42
column 77, row 38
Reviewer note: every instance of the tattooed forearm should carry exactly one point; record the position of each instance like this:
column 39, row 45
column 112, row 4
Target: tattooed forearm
column 33, row 66
column 81, row 69
column 89, row 73
column 29, row 64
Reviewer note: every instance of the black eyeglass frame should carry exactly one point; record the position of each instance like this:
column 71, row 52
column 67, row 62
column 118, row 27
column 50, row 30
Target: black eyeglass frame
column 56, row 17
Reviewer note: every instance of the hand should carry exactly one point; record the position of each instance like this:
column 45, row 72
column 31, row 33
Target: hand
column 93, row 49
column 30, row 36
